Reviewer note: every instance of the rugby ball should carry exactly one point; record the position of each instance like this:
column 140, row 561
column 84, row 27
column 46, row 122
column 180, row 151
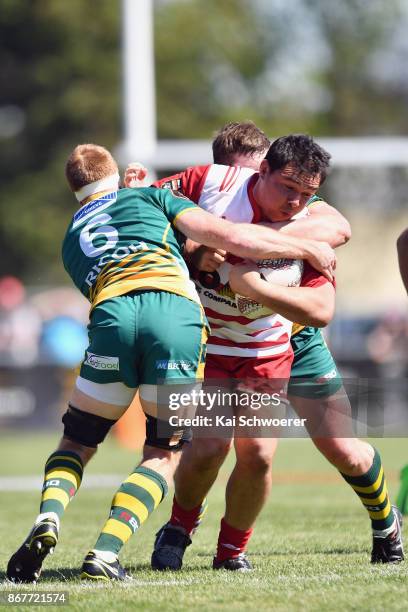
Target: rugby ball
column 283, row 272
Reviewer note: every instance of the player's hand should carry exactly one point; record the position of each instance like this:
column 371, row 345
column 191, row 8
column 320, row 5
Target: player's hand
column 135, row 175
column 206, row 259
column 323, row 258
column 244, row 279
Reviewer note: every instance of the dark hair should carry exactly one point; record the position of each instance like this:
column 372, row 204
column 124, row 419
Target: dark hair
column 301, row 150
column 236, row 138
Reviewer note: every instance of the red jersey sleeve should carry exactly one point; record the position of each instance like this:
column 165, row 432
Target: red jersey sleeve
column 312, row 278
column 190, row 182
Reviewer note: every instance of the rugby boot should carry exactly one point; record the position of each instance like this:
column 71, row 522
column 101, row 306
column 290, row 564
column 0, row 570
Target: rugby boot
column 234, row 564
column 389, row 549
column 169, row 548
column 96, row 568
column 25, row 565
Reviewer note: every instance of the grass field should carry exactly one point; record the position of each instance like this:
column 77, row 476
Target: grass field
column 310, row 547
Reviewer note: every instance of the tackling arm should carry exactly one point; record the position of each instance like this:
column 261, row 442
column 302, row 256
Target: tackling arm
column 306, row 305
column 323, row 223
column 402, row 248
column 202, row 257
column 253, row 241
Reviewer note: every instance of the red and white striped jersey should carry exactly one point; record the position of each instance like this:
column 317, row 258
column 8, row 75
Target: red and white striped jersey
column 228, row 192
column 224, row 191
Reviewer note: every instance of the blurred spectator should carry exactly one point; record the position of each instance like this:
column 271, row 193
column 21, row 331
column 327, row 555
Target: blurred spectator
column 64, row 313
column 63, row 341
column 387, row 345
column 20, row 324
column 43, row 327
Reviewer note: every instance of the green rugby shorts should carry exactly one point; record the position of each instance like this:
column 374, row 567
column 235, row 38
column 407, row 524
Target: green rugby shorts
column 146, row 337
column 314, row 373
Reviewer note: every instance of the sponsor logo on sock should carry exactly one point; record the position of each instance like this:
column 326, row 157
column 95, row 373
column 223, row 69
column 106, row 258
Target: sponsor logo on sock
column 129, row 519
column 51, row 483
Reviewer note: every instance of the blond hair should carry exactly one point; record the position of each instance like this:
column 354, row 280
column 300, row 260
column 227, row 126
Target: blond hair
column 88, row 163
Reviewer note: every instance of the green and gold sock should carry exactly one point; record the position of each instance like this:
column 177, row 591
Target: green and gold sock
column 135, row 500
column 63, row 476
column 371, row 488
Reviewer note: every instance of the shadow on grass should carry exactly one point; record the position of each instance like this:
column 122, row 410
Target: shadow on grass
column 284, row 553
column 62, row 574
column 139, row 567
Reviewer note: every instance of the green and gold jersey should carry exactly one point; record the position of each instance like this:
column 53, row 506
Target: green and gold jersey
column 126, row 240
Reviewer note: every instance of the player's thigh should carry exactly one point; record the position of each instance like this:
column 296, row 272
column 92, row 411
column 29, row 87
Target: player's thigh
column 89, row 400
column 113, row 353
column 326, row 417
column 314, row 373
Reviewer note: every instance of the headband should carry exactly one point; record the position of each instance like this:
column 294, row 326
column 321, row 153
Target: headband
column 109, row 182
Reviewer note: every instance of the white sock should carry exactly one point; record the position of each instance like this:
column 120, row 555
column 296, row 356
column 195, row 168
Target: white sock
column 48, row 515
column 105, row 555
column 383, row 533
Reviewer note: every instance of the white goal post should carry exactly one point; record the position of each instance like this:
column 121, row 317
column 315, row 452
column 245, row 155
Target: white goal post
column 139, row 113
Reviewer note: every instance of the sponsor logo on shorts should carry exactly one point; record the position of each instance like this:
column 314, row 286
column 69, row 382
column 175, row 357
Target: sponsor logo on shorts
column 166, row 364
column 328, row 376
column 101, row 362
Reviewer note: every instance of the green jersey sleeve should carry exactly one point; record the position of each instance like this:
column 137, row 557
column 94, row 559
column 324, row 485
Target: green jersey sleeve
column 175, row 204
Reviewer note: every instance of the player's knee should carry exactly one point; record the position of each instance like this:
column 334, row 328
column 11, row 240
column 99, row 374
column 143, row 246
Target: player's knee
column 256, row 455
column 209, row 452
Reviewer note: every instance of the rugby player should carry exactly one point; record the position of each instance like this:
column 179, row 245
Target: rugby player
column 402, row 249
column 315, row 387
column 123, row 251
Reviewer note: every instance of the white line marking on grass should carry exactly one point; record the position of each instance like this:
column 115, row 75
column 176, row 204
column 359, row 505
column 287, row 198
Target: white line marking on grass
column 33, row 483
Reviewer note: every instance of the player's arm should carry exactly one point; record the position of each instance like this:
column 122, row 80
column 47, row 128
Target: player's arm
column 306, row 305
column 402, row 248
column 253, row 241
column 202, row 257
column 323, row 223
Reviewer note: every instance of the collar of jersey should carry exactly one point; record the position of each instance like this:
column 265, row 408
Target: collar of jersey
column 96, row 196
